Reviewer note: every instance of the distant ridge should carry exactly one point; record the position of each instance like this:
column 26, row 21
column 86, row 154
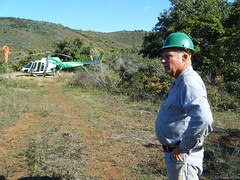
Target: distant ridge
column 24, row 34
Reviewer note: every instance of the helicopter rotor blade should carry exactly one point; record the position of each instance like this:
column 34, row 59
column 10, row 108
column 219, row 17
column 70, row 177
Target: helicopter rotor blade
column 63, row 54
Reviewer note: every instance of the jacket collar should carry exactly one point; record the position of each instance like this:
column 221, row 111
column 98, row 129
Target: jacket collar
column 180, row 77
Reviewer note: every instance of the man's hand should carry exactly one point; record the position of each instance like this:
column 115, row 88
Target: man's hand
column 177, row 153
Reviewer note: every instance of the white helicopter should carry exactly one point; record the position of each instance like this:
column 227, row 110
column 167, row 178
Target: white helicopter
column 49, row 65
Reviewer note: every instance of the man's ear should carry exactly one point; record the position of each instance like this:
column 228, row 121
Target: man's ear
column 185, row 56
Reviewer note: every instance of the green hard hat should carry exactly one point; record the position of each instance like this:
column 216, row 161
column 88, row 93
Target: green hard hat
column 178, row 39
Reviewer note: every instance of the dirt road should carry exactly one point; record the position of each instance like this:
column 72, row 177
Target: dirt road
column 112, row 134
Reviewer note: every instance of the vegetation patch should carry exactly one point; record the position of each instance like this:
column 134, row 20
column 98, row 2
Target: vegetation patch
column 55, row 154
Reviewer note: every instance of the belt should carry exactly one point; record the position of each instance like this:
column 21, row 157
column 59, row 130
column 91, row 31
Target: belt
column 168, row 148
column 171, row 148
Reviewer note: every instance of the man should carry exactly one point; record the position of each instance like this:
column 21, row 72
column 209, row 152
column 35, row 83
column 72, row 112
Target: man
column 57, row 70
column 185, row 118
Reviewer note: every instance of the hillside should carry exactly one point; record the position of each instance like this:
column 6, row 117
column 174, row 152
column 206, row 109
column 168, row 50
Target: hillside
column 25, row 34
column 116, row 40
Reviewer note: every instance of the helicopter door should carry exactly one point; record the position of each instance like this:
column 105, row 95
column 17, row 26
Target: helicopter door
column 42, row 67
column 32, row 69
column 38, row 66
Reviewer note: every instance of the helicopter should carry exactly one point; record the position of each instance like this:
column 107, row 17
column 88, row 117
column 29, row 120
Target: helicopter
column 49, row 65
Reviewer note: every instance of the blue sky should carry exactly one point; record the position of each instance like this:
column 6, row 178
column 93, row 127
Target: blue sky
column 95, row 15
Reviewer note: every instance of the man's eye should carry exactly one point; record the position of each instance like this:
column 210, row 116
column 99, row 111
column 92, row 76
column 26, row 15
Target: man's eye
column 166, row 57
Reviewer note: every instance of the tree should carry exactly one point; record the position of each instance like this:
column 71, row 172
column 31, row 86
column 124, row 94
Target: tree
column 151, row 45
column 202, row 20
column 74, row 48
column 228, row 44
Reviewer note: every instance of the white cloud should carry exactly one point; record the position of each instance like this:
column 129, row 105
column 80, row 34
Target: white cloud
column 146, row 8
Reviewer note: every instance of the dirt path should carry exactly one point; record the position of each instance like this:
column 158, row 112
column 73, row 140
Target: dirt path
column 16, row 137
column 104, row 152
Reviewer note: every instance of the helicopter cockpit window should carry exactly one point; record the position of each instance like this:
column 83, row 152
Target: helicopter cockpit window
column 28, row 65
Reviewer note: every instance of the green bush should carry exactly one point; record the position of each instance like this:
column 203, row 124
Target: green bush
column 3, row 67
column 223, row 95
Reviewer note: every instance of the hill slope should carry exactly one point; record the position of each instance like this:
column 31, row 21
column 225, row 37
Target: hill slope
column 24, row 34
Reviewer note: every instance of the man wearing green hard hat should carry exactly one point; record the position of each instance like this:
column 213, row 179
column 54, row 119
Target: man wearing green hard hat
column 185, row 117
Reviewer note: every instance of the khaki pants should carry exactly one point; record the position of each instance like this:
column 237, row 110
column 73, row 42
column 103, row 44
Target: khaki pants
column 189, row 169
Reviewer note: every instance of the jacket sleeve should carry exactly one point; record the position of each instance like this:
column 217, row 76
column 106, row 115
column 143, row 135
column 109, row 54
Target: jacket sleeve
column 195, row 103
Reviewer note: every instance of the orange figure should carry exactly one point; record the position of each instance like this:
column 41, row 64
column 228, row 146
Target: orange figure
column 5, row 50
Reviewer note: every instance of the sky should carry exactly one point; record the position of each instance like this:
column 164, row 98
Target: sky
column 94, row 15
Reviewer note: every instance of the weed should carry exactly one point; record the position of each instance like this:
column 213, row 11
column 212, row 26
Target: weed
column 34, row 156
column 54, row 154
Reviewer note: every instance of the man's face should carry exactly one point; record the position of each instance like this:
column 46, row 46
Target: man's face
column 173, row 61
